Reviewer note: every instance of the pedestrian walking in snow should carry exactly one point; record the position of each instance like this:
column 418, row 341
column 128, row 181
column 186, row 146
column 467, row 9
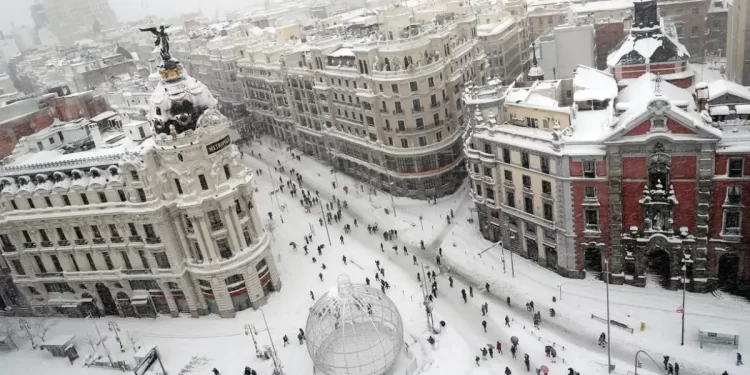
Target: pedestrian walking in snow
column 377, row 276
column 305, row 248
column 508, row 301
column 382, row 272
column 419, row 278
column 484, row 353
column 270, row 215
column 421, row 244
column 666, row 361
column 507, row 321
column 406, row 252
column 739, row 359
column 486, row 307
column 314, row 260
column 477, row 360
column 355, row 223
column 215, row 371
column 531, row 304
column 344, row 259
column 395, row 248
column 367, row 280
column 484, row 325
column 312, row 295
column 323, row 266
column 286, row 340
column 676, row 369
column 670, row 369
column 499, row 347
column 487, row 286
column 513, row 351
column 450, row 280
column 320, row 275
column 381, row 247
column 526, row 362
column 724, row 373
column 342, row 239
column 438, row 260
column 299, row 337
column 440, row 251
column 483, row 312
column 471, row 291
column 507, row 371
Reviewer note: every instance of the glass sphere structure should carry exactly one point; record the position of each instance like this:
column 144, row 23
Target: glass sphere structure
column 354, row 329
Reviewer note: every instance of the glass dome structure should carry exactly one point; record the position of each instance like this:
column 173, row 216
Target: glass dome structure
column 354, row 329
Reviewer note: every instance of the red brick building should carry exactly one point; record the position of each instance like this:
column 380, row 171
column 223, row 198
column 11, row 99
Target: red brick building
column 607, row 35
column 648, row 49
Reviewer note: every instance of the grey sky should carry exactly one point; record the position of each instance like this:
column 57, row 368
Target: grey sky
column 17, row 11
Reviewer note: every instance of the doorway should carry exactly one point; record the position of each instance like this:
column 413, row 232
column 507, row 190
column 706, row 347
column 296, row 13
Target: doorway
column 110, row 307
column 658, row 268
column 592, row 261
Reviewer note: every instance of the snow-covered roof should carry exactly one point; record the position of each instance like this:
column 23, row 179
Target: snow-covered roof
column 593, row 84
column 342, row 52
column 602, row 6
column 722, row 87
column 652, row 46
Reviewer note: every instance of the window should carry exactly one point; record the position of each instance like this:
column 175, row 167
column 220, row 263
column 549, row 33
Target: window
column 17, row 266
column 401, row 126
column 58, row 288
column 420, row 124
column 113, row 230
column 398, row 107
column 404, row 143
column 60, row 234
column 732, row 221
column 589, row 192
column 422, row 141
column 43, row 235
column 508, row 176
column 178, row 186
column 56, row 263
column 141, row 194
column 478, row 189
column 102, row 197
column 525, row 159
column 90, row 259
column 40, row 264
column 26, row 236
column 430, row 82
column 546, row 188
column 394, row 88
column 121, row 194
column 416, row 104
column 144, row 260
column 589, row 169
column 735, row 167
column 13, row 203
column 506, row 156
column 544, row 161
column 413, row 86
column 227, row 172
column 133, row 231
column 134, row 176
column 510, row 199
column 79, row 233
column 487, row 148
column 438, row 136
column 48, row 201
column 84, row 198
column 162, row 261
column 223, row 246
column 31, row 202
column 528, row 205
column 95, row 231
column 108, row 260
column 66, row 200
column 694, row 30
column 75, row 262
column 390, row 141
column 734, row 195
column 487, row 171
column 658, row 123
column 526, row 181
column 591, row 217
column 214, row 218
column 202, row 179
column 149, row 230
column 126, row 259
column 548, row 211
column 532, row 122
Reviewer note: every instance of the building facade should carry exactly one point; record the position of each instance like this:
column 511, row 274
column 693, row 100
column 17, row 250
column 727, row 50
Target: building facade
column 110, row 217
column 386, row 110
column 74, row 19
column 738, row 42
column 689, row 17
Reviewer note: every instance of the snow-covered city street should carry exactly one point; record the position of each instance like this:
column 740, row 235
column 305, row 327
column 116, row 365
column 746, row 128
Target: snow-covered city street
column 193, row 346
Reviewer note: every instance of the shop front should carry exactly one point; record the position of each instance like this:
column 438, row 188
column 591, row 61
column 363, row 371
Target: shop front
column 238, row 292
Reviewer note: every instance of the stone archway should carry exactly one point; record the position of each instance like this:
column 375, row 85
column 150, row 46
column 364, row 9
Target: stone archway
column 123, row 300
column 592, row 259
column 658, row 264
column 89, row 307
column 728, row 272
column 110, row 307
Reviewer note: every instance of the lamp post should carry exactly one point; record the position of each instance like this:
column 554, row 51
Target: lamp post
column 26, row 327
column 325, row 222
column 278, row 370
column 686, row 258
column 250, row 330
column 560, row 287
column 101, row 340
column 609, row 336
column 635, row 368
column 512, row 268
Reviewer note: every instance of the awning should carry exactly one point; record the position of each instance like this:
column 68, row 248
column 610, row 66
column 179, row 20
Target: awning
column 140, row 296
column 742, row 109
column 138, row 302
column 719, row 110
column 70, row 305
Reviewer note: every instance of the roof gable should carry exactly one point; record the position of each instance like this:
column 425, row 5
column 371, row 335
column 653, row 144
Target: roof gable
column 636, row 122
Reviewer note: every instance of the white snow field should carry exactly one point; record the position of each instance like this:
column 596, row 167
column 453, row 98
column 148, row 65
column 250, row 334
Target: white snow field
column 196, row 346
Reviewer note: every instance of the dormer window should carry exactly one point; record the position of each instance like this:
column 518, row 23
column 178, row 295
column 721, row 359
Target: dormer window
column 658, row 123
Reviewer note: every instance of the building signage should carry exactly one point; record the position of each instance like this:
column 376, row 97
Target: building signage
column 218, row 145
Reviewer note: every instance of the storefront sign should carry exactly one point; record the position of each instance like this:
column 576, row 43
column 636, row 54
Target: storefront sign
column 218, row 145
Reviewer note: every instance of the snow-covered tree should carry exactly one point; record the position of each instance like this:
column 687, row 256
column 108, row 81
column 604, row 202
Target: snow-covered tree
column 133, row 339
column 41, row 326
column 9, row 328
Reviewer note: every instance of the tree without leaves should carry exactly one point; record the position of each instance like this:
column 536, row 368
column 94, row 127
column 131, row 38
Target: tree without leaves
column 41, row 326
column 92, row 341
column 133, row 339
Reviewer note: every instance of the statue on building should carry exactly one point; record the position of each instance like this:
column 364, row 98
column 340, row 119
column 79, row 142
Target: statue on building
column 162, row 39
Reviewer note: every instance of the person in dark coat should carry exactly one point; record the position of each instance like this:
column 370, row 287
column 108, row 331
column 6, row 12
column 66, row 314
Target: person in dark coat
column 666, row 361
column 484, row 324
column 215, row 371
column 676, row 369
column 477, row 360
column 471, row 291
column 450, row 280
column 507, row 321
column 526, row 362
column 739, row 359
column 507, row 371
column 513, row 351
column 312, row 295
column 499, row 347
column 670, row 369
column 491, row 350
column 487, row 286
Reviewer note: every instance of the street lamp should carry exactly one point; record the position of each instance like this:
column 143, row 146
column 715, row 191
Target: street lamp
column 609, row 336
column 114, row 327
column 560, row 287
column 26, row 327
column 686, row 258
column 635, row 369
column 512, row 268
column 250, row 330
column 101, row 340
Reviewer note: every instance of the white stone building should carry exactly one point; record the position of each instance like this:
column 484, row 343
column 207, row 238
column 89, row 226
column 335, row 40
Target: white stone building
column 136, row 218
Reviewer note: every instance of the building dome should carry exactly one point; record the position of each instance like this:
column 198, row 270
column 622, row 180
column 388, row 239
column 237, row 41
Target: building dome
column 354, row 329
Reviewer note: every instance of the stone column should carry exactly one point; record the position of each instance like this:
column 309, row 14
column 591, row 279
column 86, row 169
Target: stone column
column 223, row 299
column 188, row 290
column 187, row 250
column 255, row 217
column 170, row 299
column 238, row 226
column 97, row 298
column 204, row 239
column 231, row 231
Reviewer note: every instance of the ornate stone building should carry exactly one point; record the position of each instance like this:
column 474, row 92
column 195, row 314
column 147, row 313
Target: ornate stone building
column 136, row 218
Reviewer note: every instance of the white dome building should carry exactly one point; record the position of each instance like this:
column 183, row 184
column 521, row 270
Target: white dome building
column 140, row 218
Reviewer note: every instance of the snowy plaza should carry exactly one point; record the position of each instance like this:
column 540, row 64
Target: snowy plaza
column 196, row 346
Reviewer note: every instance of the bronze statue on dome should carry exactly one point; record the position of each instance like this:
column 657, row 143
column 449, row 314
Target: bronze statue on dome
column 162, row 38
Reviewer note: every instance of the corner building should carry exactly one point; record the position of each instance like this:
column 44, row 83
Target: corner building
column 136, row 218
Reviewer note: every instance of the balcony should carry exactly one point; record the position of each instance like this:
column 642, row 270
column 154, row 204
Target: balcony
column 527, row 189
column 242, row 214
column 136, row 272
column 81, row 242
column 29, row 245
column 153, row 240
column 398, row 112
column 488, row 180
column 98, row 241
column 190, row 230
column 417, row 109
column 49, row 275
column 9, row 248
column 116, row 240
column 135, row 239
column 547, row 195
column 63, row 243
column 435, row 105
column 47, row 243
column 217, row 226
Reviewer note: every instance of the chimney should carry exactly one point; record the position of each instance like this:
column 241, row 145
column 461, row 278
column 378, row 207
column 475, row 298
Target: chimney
column 645, row 13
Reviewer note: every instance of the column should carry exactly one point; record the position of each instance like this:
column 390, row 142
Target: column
column 170, row 300
column 210, row 245
column 187, row 250
column 192, row 301
column 97, row 298
column 231, row 231
column 204, row 238
column 223, row 299
column 255, row 217
column 238, row 227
